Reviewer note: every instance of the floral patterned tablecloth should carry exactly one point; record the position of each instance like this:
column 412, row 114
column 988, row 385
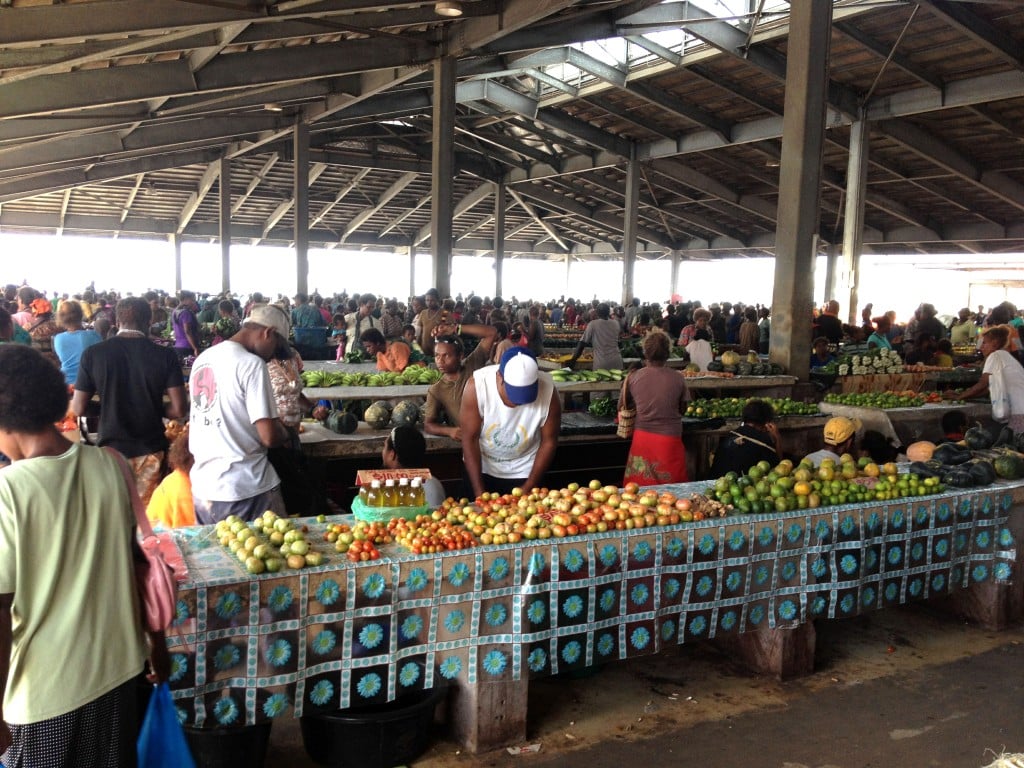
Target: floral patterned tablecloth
column 247, row 648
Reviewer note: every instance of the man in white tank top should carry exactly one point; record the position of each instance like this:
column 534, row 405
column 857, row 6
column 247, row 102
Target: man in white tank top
column 510, row 418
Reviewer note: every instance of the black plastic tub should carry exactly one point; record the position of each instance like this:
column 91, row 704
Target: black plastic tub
column 378, row 736
column 229, row 747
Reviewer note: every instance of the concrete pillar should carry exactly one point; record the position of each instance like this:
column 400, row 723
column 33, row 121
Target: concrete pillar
column 630, row 216
column 568, row 276
column 500, row 199
column 674, row 276
column 853, row 215
column 443, row 169
column 225, row 224
column 412, row 270
column 799, row 181
column 300, row 182
column 176, row 244
column 833, row 274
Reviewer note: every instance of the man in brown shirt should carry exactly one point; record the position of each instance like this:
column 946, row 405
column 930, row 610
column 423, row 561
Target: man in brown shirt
column 428, row 320
column 444, row 398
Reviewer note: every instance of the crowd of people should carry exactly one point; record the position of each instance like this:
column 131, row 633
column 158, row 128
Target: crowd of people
column 239, row 452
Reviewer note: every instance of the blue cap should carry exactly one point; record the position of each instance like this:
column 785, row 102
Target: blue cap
column 518, row 369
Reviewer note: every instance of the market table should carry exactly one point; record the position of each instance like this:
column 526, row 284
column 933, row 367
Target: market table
column 700, row 386
column 907, row 425
column 247, row 648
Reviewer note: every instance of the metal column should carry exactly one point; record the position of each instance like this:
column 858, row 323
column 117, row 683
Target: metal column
column 499, row 235
column 300, row 182
column 853, row 215
column 629, row 229
column 799, row 183
column 225, row 224
column 443, row 170
column 176, row 244
column 674, row 275
column 412, row 271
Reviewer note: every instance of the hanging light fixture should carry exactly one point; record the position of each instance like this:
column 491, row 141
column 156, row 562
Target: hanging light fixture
column 450, row 8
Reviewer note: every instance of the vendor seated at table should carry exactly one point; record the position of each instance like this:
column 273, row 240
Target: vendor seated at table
column 879, row 448
column 391, row 355
column 820, row 354
column 839, row 437
column 756, row 439
column 954, row 425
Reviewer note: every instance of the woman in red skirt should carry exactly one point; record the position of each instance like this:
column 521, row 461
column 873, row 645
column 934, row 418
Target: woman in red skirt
column 659, row 395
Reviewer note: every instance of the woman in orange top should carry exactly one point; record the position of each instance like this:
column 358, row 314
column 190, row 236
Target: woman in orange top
column 171, row 503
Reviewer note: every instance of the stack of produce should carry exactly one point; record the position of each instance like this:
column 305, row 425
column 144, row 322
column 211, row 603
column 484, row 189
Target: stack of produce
column 416, row 374
column 751, row 365
column 874, row 360
column 600, row 374
column 905, row 399
column 603, row 406
column 267, row 544
column 978, row 460
column 495, row 518
column 732, row 407
column 786, row 487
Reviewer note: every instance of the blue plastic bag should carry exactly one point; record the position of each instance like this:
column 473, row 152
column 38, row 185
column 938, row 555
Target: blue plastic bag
column 161, row 741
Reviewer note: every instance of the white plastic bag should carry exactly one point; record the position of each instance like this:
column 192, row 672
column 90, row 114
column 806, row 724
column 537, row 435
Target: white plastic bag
column 1000, row 398
column 700, row 353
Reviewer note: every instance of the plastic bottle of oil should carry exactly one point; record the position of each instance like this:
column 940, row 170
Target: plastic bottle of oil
column 390, row 494
column 417, row 498
column 375, row 496
column 403, row 493
column 364, row 491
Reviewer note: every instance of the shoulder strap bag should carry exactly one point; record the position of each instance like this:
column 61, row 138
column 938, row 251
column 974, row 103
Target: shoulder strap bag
column 158, row 588
column 627, row 412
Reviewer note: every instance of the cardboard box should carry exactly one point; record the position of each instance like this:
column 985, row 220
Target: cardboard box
column 366, row 476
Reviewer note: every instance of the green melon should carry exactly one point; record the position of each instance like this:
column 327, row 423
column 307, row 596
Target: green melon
column 342, row 422
column 384, row 404
column 377, row 417
column 406, row 414
column 1009, row 466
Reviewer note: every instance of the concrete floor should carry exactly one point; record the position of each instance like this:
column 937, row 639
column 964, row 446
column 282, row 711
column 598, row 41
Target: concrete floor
column 906, row 687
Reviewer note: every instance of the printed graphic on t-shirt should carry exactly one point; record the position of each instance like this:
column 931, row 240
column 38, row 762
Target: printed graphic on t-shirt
column 505, row 441
column 204, row 390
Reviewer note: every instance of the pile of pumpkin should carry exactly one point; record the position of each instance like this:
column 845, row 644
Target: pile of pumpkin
column 751, row 365
column 978, row 460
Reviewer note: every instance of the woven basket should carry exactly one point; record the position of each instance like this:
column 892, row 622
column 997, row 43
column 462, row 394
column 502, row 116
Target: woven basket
column 627, row 417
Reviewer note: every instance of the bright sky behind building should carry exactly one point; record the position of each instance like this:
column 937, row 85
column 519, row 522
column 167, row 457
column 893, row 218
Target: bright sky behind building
column 69, row 264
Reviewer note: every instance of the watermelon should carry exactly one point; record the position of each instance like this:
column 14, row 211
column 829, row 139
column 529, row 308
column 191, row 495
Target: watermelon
column 378, row 416
column 406, row 414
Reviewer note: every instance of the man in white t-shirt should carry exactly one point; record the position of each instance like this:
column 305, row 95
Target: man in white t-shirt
column 234, row 421
column 510, row 419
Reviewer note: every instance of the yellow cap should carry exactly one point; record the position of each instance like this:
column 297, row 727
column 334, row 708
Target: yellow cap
column 839, row 429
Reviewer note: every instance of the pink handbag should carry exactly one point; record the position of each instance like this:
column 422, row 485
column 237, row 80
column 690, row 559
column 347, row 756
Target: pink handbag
column 158, row 588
